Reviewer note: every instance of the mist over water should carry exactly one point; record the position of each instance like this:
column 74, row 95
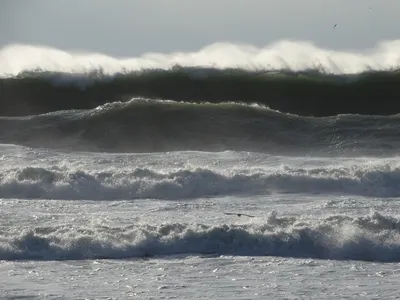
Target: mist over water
column 286, row 54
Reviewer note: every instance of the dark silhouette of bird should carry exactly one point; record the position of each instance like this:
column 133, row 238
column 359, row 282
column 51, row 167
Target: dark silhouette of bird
column 238, row 214
column 334, row 26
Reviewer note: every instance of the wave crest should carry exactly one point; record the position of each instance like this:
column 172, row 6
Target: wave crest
column 285, row 54
column 143, row 125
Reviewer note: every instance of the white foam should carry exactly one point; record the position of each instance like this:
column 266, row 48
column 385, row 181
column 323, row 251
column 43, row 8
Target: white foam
column 372, row 237
column 285, row 54
column 187, row 182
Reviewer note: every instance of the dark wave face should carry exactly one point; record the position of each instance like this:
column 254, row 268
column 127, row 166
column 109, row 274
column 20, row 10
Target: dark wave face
column 156, row 126
column 307, row 93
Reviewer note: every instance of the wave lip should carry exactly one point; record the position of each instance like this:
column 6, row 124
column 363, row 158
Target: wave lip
column 370, row 238
column 143, row 125
column 195, row 182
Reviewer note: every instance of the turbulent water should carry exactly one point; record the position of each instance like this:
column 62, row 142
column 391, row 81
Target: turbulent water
column 115, row 175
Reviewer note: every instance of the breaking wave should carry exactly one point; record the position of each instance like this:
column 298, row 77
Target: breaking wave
column 285, row 54
column 379, row 180
column 374, row 237
column 292, row 77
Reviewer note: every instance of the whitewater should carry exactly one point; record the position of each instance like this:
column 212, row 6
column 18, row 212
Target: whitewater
column 127, row 197
column 285, row 54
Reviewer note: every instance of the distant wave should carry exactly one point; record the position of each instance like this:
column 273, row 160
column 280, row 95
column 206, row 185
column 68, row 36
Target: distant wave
column 285, row 54
column 292, row 77
column 142, row 125
column 381, row 180
column 370, row 238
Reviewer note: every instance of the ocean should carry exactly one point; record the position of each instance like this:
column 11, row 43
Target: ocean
column 234, row 172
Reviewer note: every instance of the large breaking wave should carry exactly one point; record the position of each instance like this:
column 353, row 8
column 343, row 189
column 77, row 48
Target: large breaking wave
column 294, row 77
column 285, row 54
column 371, row 238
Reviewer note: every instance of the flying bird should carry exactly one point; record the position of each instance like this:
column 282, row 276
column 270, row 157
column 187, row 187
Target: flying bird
column 334, row 26
column 238, row 214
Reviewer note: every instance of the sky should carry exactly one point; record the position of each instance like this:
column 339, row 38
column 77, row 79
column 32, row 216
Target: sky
column 123, row 28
